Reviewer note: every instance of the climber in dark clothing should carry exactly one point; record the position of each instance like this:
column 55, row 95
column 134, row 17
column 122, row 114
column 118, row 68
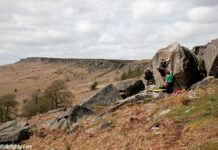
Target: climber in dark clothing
column 149, row 76
column 163, row 64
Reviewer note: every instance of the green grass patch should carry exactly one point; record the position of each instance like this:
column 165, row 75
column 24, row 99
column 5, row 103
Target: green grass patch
column 94, row 85
column 203, row 108
column 206, row 146
column 131, row 73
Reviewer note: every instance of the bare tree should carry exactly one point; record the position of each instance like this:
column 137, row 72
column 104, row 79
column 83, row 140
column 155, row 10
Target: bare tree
column 55, row 96
column 7, row 104
column 36, row 95
column 55, row 92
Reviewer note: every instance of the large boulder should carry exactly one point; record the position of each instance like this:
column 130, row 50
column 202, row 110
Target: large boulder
column 11, row 132
column 67, row 118
column 78, row 112
column 135, row 88
column 129, row 87
column 183, row 65
column 123, row 85
column 208, row 57
column 107, row 95
column 202, row 83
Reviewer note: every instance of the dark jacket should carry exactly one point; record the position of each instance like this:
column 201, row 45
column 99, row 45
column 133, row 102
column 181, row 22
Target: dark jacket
column 149, row 75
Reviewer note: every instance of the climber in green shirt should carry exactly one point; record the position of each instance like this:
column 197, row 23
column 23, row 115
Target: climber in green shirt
column 169, row 81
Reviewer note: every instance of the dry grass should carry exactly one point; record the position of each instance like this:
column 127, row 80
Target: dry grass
column 132, row 127
column 31, row 76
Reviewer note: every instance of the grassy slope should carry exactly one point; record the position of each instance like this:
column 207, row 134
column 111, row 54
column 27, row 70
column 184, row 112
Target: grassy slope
column 146, row 126
column 27, row 77
column 31, row 76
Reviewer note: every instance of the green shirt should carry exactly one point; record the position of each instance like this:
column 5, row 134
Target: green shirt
column 169, row 78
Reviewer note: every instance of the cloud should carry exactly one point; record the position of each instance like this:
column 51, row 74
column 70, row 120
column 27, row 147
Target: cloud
column 114, row 29
column 152, row 10
column 106, row 39
column 203, row 14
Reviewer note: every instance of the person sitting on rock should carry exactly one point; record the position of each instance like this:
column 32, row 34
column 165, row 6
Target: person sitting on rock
column 163, row 64
column 169, row 82
column 149, row 77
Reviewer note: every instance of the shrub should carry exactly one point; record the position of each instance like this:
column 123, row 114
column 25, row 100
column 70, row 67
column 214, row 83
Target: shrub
column 94, row 86
column 7, row 107
column 131, row 73
column 31, row 108
column 55, row 96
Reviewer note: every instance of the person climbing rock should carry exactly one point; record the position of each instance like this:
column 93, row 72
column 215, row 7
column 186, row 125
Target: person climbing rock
column 163, row 64
column 169, row 82
column 149, row 77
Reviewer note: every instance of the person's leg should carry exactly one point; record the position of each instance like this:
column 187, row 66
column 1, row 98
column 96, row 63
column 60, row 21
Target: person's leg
column 147, row 82
column 170, row 88
column 162, row 72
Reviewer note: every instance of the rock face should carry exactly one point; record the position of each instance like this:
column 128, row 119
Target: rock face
column 123, row 85
column 183, row 65
column 133, row 89
column 129, row 87
column 65, row 120
column 107, row 95
column 201, row 83
column 208, row 57
column 92, row 64
column 78, row 112
column 11, row 132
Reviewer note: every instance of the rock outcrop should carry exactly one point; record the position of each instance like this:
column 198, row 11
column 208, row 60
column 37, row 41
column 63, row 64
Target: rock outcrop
column 131, row 88
column 107, row 95
column 91, row 64
column 183, row 65
column 123, row 85
column 140, row 97
column 11, row 132
column 78, row 112
column 203, row 82
column 67, row 118
column 208, row 57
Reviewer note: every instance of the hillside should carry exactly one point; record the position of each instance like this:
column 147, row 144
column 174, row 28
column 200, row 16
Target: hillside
column 166, row 124
column 32, row 74
column 121, row 113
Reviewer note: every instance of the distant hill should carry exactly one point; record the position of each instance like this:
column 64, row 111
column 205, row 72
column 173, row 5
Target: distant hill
column 30, row 74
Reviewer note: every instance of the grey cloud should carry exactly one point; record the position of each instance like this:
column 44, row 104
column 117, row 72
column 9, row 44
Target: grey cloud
column 205, row 2
column 123, row 29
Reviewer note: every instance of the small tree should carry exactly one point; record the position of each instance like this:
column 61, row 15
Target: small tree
column 55, row 96
column 123, row 76
column 94, row 86
column 36, row 95
column 64, row 98
column 52, row 92
column 7, row 104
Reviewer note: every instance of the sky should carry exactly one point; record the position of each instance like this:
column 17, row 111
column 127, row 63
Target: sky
column 112, row 29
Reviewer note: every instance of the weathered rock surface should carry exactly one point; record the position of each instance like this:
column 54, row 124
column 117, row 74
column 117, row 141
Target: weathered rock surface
column 208, row 57
column 140, row 97
column 11, row 132
column 78, row 112
column 183, row 65
column 107, row 95
column 67, row 118
column 56, row 111
column 91, row 64
column 133, row 89
column 123, row 85
column 201, row 83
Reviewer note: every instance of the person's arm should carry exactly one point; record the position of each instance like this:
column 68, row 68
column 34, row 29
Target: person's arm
column 167, row 62
column 159, row 65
